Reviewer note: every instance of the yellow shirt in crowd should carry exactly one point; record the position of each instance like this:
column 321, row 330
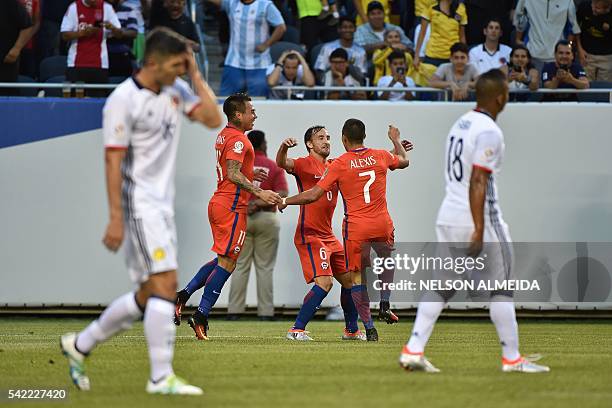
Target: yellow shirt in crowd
column 444, row 30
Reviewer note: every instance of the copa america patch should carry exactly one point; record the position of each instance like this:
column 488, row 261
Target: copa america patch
column 238, row 147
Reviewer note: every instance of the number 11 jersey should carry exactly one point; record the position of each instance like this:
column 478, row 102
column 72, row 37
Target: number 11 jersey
column 475, row 140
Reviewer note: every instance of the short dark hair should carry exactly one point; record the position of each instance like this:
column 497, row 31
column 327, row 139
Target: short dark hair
column 519, row 47
column 396, row 54
column 459, row 47
column 354, row 130
column 339, row 53
column 343, row 19
column 375, row 5
column 235, row 103
column 164, row 41
column 490, row 84
column 562, row 42
column 257, row 137
column 493, row 20
column 310, row 132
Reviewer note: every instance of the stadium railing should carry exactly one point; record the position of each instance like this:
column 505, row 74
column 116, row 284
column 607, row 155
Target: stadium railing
column 291, row 90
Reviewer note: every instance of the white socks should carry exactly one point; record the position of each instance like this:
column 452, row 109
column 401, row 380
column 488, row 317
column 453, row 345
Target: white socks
column 160, row 332
column 503, row 317
column 428, row 312
column 119, row 315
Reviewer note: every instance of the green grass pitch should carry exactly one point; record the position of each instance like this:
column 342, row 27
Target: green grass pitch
column 250, row 364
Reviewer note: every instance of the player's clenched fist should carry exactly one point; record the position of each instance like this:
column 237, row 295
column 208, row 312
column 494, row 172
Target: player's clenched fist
column 270, row 197
column 290, row 142
column 393, row 133
column 113, row 237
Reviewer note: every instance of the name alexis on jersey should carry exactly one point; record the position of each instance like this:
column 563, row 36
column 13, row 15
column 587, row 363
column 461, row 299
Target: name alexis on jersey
column 361, row 163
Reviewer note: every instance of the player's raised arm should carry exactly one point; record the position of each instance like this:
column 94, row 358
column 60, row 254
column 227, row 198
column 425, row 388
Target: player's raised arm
column 398, row 149
column 477, row 193
column 282, row 160
column 235, row 176
column 206, row 112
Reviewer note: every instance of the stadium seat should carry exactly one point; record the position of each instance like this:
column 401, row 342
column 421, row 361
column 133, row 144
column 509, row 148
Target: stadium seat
column 30, row 92
column 55, row 92
column 292, row 35
column 314, row 53
column 278, row 48
column 603, row 97
column 52, row 67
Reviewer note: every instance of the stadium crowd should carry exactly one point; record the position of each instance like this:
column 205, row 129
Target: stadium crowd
column 443, row 44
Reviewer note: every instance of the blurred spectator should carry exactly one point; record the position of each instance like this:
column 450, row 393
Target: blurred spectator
column 28, row 60
column 329, row 9
column 546, row 21
column 341, row 73
column 380, row 57
column 520, row 71
column 397, row 79
column 361, row 6
column 248, row 55
column 370, row 35
column 49, row 34
column 15, row 29
column 312, row 29
column 356, row 53
column 175, row 19
column 417, row 32
column 480, row 12
column 448, row 19
column 459, row 76
column 491, row 54
column 563, row 73
column 86, row 26
column 595, row 40
column 261, row 242
column 290, row 69
column 138, row 44
column 121, row 61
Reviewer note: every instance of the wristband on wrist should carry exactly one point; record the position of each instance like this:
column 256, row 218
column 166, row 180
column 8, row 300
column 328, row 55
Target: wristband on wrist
column 284, row 200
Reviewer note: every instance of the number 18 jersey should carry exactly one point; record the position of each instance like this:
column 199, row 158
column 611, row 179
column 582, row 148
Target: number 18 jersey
column 475, row 140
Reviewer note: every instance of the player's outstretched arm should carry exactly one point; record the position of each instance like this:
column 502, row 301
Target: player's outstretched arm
column 306, row 197
column 207, row 111
column 282, row 160
column 235, row 176
column 478, row 191
column 114, row 231
column 398, row 148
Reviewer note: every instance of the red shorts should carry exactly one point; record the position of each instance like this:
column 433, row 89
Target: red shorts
column 228, row 230
column 357, row 253
column 321, row 258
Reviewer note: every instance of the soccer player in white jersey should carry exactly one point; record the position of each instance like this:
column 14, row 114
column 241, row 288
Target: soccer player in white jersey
column 141, row 126
column 470, row 214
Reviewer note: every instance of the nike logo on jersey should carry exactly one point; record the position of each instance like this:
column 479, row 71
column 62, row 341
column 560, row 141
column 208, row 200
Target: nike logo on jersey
column 318, row 177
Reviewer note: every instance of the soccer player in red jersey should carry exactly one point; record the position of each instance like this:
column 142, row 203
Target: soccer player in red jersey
column 320, row 252
column 227, row 210
column 361, row 177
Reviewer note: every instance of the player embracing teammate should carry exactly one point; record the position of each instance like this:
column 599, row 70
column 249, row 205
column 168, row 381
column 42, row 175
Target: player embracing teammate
column 360, row 175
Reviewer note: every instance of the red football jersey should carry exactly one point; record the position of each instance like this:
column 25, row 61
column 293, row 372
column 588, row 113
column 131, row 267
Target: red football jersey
column 232, row 144
column 315, row 218
column 361, row 176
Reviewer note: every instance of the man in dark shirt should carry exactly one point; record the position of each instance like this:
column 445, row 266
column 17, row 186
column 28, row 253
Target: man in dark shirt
column 15, row 24
column 176, row 20
column 595, row 41
column 563, row 73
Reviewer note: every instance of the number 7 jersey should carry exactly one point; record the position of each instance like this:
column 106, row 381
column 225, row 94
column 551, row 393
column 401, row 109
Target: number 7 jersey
column 475, row 140
column 361, row 175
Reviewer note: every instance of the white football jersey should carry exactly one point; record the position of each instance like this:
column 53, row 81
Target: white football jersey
column 474, row 140
column 147, row 124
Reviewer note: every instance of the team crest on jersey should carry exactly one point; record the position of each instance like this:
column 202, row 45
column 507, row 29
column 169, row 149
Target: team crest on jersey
column 324, row 265
column 159, row 254
column 237, row 249
column 238, row 147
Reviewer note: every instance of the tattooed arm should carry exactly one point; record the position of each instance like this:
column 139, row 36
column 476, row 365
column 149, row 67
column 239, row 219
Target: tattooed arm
column 235, row 176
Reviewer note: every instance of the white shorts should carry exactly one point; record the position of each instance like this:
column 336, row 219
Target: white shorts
column 497, row 251
column 150, row 246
